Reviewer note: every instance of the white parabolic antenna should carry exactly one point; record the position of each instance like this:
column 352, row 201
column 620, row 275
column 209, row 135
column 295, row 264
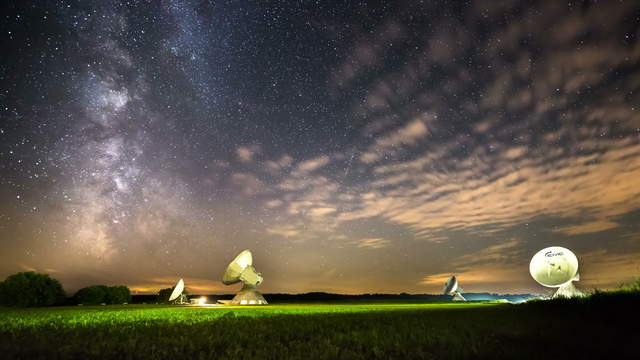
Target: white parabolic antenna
column 556, row 267
column 177, row 290
column 241, row 270
column 451, row 287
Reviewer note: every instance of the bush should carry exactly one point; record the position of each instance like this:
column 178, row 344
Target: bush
column 634, row 286
column 28, row 289
column 101, row 294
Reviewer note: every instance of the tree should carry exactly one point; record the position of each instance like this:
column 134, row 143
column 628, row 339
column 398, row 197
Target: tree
column 118, row 295
column 101, row 294
column 163, row 295
column 91, row 295
column 29, row 288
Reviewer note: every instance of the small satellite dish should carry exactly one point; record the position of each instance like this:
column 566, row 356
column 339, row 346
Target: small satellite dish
column 451, row 287
column 241, row 270
column 556, row 267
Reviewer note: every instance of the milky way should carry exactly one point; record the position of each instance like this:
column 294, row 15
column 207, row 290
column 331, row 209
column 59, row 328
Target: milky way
column 353, row 148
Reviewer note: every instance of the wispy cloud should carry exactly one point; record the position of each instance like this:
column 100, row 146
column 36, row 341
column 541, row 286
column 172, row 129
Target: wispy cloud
column 284, row 230
column 408, row 134
column 588, row 227
column 247, row 154
column 312, row 164
column 248, row 183
column 604, row 269
column 373, row 243
column 275, row 167
column 193, row 285
column 321, row 211
column 368, row 53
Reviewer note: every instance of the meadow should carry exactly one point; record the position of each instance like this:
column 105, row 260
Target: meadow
column 577, row 329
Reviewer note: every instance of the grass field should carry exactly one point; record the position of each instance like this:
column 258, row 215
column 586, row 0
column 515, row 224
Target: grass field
column 324, row 331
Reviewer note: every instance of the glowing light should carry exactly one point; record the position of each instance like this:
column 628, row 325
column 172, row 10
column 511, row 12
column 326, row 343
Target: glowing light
column 202, row 301
column 243, row 302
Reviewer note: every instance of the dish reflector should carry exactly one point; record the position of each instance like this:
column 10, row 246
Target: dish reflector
column 451, row 287
column 554, row 266
column 241, row 270
column 177, row 290
column 237, row 267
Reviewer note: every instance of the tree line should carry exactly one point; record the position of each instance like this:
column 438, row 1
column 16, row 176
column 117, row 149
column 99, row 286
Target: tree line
column 29, row 289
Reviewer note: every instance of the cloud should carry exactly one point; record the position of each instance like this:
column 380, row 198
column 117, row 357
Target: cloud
column 501, row 252
column 246, row 154
column 480, row 279
column 321, row 211
column 275, row 167
column 601, row 268
column 588, row 227
column 516, row 144
column 193, row 285
column 409, row 134
column 368, row 53
column 284, row 230
column 515, row 152
column 273, row 203
column 545, row 157
column 495, row 170
column 248, row 183
column 311, row 165
column 497, row 267
column 518, row 190
column 373, row 243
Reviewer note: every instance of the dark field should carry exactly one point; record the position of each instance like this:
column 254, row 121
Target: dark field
column 597, row 328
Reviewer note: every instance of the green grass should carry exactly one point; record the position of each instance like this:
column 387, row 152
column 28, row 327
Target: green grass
column 70, row 317
column 323, row 331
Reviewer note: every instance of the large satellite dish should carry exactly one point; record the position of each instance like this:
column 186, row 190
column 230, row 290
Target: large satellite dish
column 177, row 293
column 177, row 290
column 241, row 270
column 556, row 267
column 451, row 287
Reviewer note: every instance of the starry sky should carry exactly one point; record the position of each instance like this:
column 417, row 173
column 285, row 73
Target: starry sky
column 354, row 147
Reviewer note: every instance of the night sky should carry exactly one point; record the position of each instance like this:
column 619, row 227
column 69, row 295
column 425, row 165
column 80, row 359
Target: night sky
column 353, row 147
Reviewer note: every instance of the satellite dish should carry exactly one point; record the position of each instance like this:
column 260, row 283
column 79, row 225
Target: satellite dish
column 241, row 270
column 556, row 267
column 451, row 287
column 177, row 290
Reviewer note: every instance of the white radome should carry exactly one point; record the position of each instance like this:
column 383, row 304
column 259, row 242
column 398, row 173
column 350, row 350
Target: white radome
column 554, row 266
